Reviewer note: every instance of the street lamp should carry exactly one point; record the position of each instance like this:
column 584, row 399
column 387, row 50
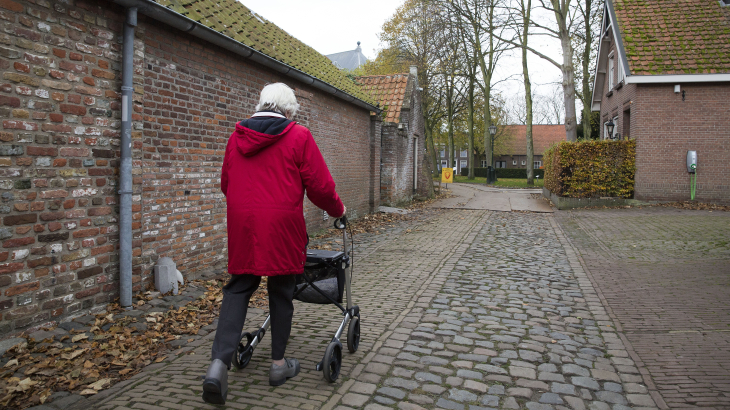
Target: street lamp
column 609, row 127
column 491, row 172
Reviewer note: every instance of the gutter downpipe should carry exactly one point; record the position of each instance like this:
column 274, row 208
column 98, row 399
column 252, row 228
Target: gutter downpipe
column 125, row 171
column 180, row 22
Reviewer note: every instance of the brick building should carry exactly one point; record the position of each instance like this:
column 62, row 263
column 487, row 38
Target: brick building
column 663, row 78
column 198, row 69
column 514, row 147
column 403, row 147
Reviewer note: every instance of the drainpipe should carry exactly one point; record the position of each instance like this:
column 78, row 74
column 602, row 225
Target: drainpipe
column 125, row 171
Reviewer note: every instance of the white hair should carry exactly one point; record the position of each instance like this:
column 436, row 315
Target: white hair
column 278, row 97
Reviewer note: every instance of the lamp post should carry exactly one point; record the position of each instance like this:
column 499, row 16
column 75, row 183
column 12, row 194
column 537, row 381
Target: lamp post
column 491, row 172
column 609, row 127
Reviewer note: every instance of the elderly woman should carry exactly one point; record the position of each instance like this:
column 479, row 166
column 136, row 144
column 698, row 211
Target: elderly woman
column 270, row 162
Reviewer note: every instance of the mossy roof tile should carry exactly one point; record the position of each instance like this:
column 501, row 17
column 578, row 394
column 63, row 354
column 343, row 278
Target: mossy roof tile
column 677, row 36
column 388, row 90
column 234, row 20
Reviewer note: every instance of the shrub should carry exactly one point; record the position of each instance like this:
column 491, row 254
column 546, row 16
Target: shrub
column 590, row 169
column 505, row 172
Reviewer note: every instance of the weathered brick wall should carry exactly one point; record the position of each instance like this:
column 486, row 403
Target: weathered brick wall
column 60, row 133
column 195, row 93
column 60, row 106
column 399, row 149
column 617, row 102
column 667, row 127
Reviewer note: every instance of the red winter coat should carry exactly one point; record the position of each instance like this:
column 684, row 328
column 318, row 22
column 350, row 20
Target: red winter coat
column 264, row 178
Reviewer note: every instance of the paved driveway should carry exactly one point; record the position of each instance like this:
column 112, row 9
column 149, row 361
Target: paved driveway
column 461, row 309
column 664, row 274
column 475, row 196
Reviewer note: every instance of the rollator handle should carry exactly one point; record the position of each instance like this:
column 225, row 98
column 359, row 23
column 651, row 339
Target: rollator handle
column 341, row 222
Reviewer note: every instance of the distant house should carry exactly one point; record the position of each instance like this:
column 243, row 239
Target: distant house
column 515, row 149
column 404, row 165
column 348, row 60
column 663, row 79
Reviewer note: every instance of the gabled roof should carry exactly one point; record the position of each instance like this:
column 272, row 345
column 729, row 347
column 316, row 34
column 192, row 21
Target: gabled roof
column 543, row 136
column 237, row 22
column 388, row 90
column 349, row 60
column 674, row 36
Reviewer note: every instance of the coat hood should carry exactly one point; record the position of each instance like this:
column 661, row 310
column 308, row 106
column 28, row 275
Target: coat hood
column 250, row 142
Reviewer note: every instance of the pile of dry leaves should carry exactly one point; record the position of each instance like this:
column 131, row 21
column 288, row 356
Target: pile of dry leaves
column 111, row 351
column 697, row 206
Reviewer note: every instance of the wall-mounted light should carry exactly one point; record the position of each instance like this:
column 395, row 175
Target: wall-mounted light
column 676, row 89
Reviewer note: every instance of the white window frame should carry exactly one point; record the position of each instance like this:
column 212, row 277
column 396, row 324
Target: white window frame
column 442, row 153
column 536, row 164
column 514, row 162
column 523, row 163
column 611, row 65
column 620, row 71
column 464, row 153
column 500, row 164
column 462, row 164
column 484, row 163
column 444, row 163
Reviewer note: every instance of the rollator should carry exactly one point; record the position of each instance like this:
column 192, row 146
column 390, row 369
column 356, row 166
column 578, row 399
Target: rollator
column 327, row 275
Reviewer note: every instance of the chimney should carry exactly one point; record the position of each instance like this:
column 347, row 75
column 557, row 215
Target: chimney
column 414, row 71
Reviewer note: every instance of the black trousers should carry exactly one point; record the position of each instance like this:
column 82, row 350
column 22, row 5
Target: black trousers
column 236, row 295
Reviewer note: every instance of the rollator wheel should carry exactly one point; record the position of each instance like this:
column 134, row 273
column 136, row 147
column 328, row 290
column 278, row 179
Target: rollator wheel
column 332, row 362
column 243, row 352
column 353, row 335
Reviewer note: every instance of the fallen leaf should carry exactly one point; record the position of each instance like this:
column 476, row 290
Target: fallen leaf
column 88, row 392
column 76, row 338
column 99, row 384
column 13, row 362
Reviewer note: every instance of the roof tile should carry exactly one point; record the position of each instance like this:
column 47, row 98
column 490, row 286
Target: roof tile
column 388, row 91
column 233, row 19
column 543, row 136
column 674, row 36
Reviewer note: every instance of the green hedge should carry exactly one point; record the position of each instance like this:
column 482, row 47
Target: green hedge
column 505, row 173
column 591, row 169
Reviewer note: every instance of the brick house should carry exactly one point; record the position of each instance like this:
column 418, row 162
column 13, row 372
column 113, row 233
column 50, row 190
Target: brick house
column 405, row 167
column 197, row 70
column 663, row 78
column 515, row 146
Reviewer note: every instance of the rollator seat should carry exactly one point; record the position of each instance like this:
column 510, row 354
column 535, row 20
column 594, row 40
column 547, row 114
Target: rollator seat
column 323, row 269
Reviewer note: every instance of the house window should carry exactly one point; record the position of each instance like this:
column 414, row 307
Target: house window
column 484, row 163
column 444, row 164
column 536, row 164
column 463, row 153
column 463, row 164
column 442, row 153
column 610, row 72
column 523, row 163
column 514, row 162
column 500, row 164
column 620, row 70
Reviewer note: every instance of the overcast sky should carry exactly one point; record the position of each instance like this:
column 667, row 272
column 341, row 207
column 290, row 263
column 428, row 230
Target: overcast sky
column 332, row 26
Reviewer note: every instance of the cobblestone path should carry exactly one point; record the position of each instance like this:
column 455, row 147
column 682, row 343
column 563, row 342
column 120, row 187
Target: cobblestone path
column 461, row 309
column 665, row 276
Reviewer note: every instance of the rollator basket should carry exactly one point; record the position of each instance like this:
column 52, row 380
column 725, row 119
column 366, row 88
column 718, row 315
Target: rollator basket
column 326, row 271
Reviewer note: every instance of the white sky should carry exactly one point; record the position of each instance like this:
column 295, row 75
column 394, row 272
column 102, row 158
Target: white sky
column 332, row 26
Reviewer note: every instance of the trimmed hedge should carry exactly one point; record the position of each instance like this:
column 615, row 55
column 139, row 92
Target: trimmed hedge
column 591, row 169
column 505, row 173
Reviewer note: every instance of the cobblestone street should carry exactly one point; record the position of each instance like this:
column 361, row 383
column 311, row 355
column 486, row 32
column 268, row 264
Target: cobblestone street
column 474, row 309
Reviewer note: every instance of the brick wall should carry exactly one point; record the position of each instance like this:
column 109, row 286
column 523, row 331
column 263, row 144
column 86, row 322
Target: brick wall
column 58, row 157
column 60, row 107
column 667, row 127
column 400, row 146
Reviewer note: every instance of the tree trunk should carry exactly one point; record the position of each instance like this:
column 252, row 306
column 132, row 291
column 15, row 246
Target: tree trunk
column 587, row 97
column 528, row 93
column 561, row 14
column 470, row 125
column 432, row 148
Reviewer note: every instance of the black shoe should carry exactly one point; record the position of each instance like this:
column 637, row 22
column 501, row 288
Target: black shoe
column 215, row 386
column 279, row 374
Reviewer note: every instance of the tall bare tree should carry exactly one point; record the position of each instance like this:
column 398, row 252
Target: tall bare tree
column 586, row 34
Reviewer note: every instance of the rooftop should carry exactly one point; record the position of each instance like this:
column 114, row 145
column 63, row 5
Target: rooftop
column 236, row 21
column 675, row 36
column 387, row 90
column 349, row 60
